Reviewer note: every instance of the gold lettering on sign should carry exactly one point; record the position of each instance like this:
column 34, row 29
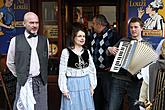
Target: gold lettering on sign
column 151, row 32
column 133, row 3
column 22, row 6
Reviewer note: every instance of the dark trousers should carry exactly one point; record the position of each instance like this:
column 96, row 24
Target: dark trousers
column 40, row 94
column 102, row 91
column 119, row 89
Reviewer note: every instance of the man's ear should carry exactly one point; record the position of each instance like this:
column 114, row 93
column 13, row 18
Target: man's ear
column 23, row 23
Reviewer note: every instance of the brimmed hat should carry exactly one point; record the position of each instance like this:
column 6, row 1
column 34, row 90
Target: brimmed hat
column 157, row 4
column 162, row 53
column 163, row 44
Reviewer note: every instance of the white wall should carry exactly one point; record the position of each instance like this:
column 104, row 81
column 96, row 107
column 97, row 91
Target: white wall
column 109, row 12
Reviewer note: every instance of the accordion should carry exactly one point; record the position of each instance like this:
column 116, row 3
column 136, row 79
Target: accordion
column 132, row 56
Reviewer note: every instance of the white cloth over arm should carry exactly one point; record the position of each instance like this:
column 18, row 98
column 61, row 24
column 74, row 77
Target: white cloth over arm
column 11, row 57
column 144, row 91
column 145, row 74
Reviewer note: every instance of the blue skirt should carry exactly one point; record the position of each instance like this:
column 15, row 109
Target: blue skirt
column 80, row 97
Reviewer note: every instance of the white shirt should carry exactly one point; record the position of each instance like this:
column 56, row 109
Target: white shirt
column 158, row 49
column 139, row 75
column 65, row 71
column 34, row 62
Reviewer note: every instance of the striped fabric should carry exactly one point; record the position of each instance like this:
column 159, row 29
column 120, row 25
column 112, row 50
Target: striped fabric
column 159, row 100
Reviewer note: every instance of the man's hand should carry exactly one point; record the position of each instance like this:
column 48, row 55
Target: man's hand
column 148, row 105
column 112, row 50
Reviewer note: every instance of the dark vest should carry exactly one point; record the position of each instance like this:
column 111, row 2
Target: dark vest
column 73, row 60
column 22, row 58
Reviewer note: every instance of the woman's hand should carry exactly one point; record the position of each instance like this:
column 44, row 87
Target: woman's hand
column 91, row 90
column 66, row 94
column 140, row 12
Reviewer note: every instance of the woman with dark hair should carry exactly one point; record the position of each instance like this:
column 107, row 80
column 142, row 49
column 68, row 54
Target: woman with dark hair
column 77, row 74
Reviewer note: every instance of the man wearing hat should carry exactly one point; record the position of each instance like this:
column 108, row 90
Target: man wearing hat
column 153, row 87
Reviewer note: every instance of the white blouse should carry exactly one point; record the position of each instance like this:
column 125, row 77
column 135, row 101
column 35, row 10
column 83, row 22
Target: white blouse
column 155, row 21
column 65, row 71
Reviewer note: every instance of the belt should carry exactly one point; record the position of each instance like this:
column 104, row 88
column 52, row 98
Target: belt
column 37, row 77
column 103, row 69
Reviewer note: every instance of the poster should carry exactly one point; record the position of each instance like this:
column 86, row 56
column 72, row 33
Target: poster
column 152, row 13
column 51, row 31
column 11, row 18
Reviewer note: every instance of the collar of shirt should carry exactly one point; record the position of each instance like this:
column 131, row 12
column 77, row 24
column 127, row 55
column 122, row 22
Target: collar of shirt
column 32, row 41
column 140, row 39
column 27, row 34
column 154, row 17
column 103, row 31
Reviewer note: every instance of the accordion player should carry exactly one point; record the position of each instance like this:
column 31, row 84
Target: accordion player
column 132, row 56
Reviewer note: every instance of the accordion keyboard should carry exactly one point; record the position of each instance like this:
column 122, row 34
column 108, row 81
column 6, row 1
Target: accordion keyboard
column 120, row 56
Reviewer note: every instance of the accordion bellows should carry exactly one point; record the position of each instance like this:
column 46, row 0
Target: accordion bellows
column 133, row 56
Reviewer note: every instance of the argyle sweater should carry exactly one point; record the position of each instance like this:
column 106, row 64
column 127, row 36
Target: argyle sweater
column 99, row 44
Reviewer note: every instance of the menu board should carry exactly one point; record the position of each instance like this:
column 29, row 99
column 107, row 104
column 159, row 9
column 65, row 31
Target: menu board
column 9, row 86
